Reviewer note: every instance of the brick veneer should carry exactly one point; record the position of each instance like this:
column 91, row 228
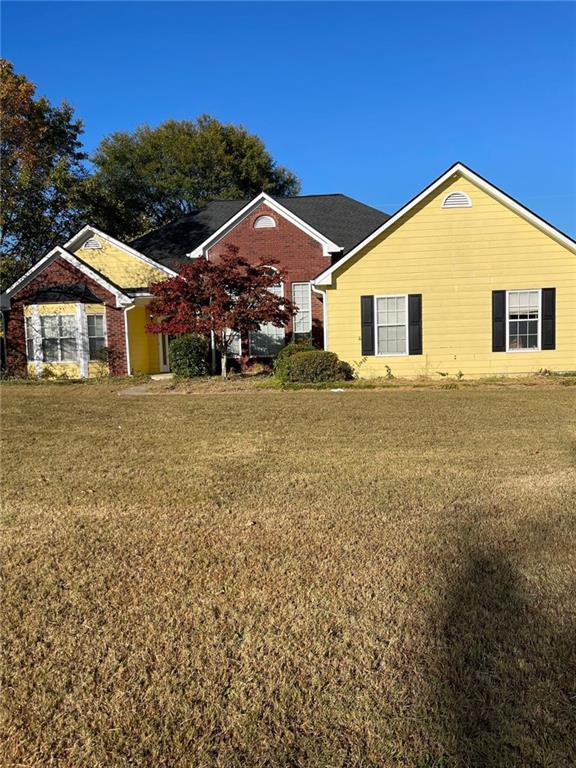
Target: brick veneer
column 60, row 272
column 298, row 254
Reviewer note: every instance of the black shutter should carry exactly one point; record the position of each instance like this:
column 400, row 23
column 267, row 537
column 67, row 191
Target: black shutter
column 415, row 324
column 367, row 320
column 548, row 318
column 498, row 321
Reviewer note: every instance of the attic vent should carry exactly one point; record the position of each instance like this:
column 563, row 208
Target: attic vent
column 457, row 200
column 264, row 222
column 92, row 243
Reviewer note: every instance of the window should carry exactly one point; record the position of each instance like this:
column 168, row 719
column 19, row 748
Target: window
column 264, row 222
column 92, row 243
column 96, row 335
column 523, row 314
column 29, row 339
column 391, row 325
column 457, row 200
column 268, row 340
column 302, row 298
column 58, row 338
column 235, row 347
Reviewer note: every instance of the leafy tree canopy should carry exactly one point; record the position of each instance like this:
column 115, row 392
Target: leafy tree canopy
column 219, row 299
column 153, row 175
column 40, row 173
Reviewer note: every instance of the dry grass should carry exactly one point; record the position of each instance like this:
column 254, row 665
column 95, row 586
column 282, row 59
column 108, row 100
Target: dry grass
column 379, row 578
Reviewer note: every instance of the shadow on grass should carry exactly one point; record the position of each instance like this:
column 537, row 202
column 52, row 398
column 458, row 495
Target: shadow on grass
column 509, row 693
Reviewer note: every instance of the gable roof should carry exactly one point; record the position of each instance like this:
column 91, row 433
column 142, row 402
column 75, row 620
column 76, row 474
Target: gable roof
column 122, row 299
column 78, row 240
column 458, row 169
column 339, row 220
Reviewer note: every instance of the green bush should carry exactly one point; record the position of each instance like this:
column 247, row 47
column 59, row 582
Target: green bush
column 188, row 355
column 282, row 358
column 315, row 366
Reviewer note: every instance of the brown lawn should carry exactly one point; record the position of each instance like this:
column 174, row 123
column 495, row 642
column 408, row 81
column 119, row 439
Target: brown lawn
column 366, row 578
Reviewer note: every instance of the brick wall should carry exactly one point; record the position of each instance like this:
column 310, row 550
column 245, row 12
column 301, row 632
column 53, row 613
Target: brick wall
column 298, row 254
column 60, row 272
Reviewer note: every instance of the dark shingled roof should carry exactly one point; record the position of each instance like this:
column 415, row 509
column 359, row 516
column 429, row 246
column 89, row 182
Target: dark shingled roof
column 340, row 218
column 53, row 294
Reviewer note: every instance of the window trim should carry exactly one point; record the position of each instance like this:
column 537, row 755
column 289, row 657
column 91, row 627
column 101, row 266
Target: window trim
column 528, row 349
column 377, row 325
column 309, row 330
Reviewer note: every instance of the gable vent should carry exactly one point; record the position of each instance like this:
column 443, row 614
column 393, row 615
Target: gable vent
column 264, row 222
column 92, row 243
column 457, row 200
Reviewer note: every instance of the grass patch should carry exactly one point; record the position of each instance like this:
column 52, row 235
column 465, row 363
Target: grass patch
column 291, row 579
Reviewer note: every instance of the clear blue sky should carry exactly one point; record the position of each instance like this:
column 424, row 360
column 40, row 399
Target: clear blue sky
column 371, row 99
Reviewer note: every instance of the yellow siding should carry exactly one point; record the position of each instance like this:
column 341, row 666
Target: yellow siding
column 144, row 347
column 121, row 268
column 455, row 258
column 66, row 308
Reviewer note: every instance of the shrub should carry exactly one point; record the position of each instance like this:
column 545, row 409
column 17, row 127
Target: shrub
column 189, row 355
column 315, row 366
column 286, row 353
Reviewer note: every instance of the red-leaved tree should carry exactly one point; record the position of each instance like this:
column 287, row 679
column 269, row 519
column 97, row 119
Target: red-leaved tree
column 219, row 300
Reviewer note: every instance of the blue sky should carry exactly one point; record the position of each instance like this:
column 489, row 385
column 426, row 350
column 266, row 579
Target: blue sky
column 371, row 99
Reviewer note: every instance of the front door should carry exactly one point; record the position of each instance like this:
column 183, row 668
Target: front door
column 164, row 359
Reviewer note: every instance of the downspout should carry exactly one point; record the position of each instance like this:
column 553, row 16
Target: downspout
column 127, row 338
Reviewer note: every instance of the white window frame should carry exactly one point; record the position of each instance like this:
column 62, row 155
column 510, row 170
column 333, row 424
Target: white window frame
column 88, row 337
column 376, row 325
column 524, row 290
column 309, row 310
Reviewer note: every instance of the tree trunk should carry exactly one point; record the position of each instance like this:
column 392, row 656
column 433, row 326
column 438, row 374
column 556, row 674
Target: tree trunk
column 213, row 352
column 224, row 358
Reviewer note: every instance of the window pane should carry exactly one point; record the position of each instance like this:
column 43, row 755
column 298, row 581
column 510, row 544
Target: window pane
column 67, row 325
column 50, row 350
column 301, row 298
column 391, row 322
column 68, row 349
column 267, row 341
column 95, row 325
column 50, row 327
column 96, row 343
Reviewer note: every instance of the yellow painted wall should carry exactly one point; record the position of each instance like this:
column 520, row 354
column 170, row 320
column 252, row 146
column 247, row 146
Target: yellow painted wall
column 455, row 258
column 144, row 347
column 121, row 268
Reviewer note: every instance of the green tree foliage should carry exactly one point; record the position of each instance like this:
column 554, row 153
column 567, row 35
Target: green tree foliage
column 40, row 173
column 153, row 175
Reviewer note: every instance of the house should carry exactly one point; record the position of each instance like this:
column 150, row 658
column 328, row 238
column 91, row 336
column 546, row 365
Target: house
column 303, row 235
column 93, row 291
column 463, row 278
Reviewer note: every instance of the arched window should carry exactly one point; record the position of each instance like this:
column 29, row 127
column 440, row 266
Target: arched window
column 456, row 200
column 264, row 222
column 92, row 243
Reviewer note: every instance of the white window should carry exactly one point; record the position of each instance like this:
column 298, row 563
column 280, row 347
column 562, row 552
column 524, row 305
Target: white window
column 29, row 340
column 391, row 325
column 523, row 320
column 268, row 340
column 235, row 346
column 264, row 222
column 58, row 338
column 96, row 335
column 457, row 200
column 302, row 298
column 92, row 243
